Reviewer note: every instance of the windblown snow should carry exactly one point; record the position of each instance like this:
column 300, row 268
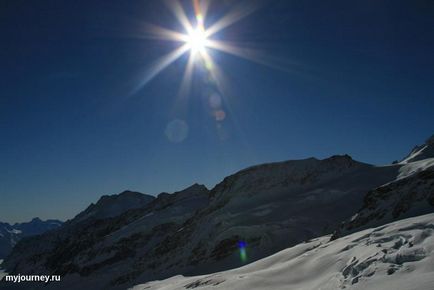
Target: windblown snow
column 395, row 256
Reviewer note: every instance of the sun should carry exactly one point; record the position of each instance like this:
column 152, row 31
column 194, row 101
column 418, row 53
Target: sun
column 197, row 40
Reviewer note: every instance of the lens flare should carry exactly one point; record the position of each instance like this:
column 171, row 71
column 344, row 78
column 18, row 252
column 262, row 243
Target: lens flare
column 242, row 245
column 176, row 131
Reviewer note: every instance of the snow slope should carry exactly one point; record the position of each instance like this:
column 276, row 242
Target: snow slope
column 397, row 256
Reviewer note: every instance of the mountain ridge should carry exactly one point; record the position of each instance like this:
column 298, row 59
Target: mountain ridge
column 267, row 207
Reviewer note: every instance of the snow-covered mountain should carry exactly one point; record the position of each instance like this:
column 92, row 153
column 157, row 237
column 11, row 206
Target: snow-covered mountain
column 106, row 250
column 269, row 207
column 106, row 206
column 396, row 256
column 11, row 234
column 262, row 209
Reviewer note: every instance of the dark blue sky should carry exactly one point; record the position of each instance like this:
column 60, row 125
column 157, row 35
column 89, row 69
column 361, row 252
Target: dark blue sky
column 357, row 78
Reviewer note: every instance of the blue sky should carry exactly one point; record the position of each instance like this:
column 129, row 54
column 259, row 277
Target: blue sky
column 355, row 77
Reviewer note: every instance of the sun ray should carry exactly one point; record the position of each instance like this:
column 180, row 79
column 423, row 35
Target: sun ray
column 152, row 31
column 204, row 6
column 176, row 8
column 230, row 48
column 215, row 72
column 164, row 62
column 184, row 89
column 256, row 56
column 180, row 105
column 196, row 39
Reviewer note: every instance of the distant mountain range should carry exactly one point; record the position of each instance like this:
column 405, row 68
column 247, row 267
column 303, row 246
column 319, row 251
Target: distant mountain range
column 11, row 234
column 132, row 238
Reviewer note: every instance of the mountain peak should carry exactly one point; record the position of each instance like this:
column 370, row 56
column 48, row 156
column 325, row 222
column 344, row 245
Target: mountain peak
column 345, row 158
column 341, row 157
column 345, row 161
column 128, row 192
column 195, row 187
column 113, row 205
column 193, row 190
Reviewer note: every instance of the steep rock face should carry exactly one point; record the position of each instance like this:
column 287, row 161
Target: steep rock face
column 11, row 234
